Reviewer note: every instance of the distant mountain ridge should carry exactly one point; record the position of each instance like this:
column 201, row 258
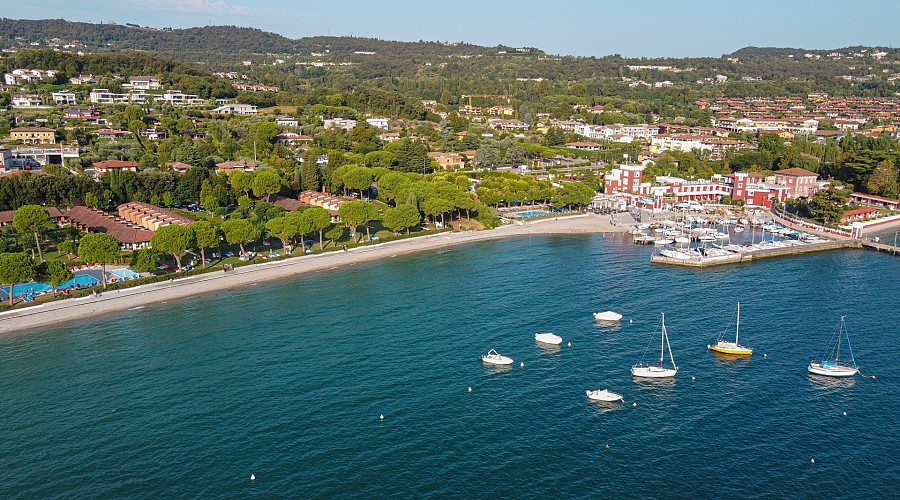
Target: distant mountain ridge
column 215, row 39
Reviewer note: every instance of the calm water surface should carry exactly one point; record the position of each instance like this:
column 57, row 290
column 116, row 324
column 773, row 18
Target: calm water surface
column 287, row 381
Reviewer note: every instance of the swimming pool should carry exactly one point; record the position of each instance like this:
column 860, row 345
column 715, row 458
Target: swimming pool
column 82, row 280
column 125, row 274
column 530, row 213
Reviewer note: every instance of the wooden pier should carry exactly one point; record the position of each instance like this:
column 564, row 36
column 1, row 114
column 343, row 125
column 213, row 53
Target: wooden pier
column 881, row 247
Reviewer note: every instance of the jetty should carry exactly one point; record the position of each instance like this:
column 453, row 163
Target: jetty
column 752, row 255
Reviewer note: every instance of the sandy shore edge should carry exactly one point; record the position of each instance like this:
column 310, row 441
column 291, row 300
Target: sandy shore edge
column 56, row 313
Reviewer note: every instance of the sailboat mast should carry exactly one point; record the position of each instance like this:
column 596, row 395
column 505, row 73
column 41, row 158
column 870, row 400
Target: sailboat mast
column 840, row 332
column 662, row 339
column 666, row 337
column 737, row 327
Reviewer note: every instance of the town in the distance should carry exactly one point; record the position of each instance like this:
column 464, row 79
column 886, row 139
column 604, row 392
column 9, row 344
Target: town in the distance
column 132, row 155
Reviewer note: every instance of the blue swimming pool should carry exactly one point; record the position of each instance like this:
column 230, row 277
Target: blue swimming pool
column 81, row 280
column 125, row 273
column 531, row 213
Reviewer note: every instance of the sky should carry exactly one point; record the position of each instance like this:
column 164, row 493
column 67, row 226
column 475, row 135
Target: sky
column 632, row 28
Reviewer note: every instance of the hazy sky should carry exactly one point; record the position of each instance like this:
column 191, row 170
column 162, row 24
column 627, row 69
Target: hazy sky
column 629, row 27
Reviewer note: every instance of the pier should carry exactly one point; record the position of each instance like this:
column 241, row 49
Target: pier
column 750, row 256
column 881, row 247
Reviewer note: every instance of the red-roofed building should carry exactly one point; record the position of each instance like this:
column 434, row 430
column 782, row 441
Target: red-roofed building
column 800, row 182
column 859, row 214
column 875, row 201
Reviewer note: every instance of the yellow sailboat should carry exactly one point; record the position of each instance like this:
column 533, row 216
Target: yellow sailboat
column 732, row 348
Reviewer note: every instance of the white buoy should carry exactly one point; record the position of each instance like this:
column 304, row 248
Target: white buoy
column 522, row 364
column 693, row 377
column 607, row 446
column 569, row 344
column 470, row 389
column 812, row 460
column 845, row 414
column 631, row 321
column 252, row 477
column 381, row 417
column 633, row 404
column 765, row 355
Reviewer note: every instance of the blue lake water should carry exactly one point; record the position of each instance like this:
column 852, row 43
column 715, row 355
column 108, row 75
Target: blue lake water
column 287, row 381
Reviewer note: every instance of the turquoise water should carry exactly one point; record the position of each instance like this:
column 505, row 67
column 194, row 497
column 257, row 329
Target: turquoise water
column 531, row 213
column 287, row 381
column 125, row 273
column 29, row 288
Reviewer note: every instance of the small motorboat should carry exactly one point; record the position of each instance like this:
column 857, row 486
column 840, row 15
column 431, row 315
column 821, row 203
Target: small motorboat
column 604, row 395
column 548, row 338
column 495, row 358
column 607, row 316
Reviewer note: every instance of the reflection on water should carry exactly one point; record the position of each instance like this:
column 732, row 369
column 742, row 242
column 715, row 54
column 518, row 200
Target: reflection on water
column 547, row 348
column 826, row 383
column 602, row 407
column 612, row 326
column 489, row 368
column 730, row 360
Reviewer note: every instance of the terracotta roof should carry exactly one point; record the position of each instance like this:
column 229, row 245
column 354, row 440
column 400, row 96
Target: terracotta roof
column 97, row 221
column 116, row 164
column 288, row 204
column 32, row 129
column 796, row 172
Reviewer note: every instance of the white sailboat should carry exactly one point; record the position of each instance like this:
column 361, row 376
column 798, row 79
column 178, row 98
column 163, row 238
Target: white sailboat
column 833, row 366
column 657, row 370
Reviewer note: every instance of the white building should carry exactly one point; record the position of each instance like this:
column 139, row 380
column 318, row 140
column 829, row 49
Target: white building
column 144, row 82
column 381, row 123
column 26, row 101
column 236, row 109
column 179, row 98
column 286, row 121
column 343, row 123
column 63, row 97
column 104, row 96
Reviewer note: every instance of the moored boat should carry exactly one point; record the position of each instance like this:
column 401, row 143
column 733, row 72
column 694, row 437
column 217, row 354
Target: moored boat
column 732, row 348
column 604, row 395
column 607, row 316
column 548, row 338
column 495, row 358
column 657, row 370
column 832, row 365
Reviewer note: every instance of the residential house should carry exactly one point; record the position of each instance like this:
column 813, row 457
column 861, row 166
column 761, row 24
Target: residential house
column 60, row 98
column 26, row 101
column 81, row 113
column 500, row 124
column 583, row 146
column 343, row 123
column 448, row 160
column 291, row 138
column 104, row 96
column 235, row 109
column 381, row 123
column 33, row 135
column 389, row 136
column 6, row 217
column 226, row 167
column 286, row 121
column 102, row 167
column 143, row 83
column 179, row 98
column 108, row 133
column 179, row 167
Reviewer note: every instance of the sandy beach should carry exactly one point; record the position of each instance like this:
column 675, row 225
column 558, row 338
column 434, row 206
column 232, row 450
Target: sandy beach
column 55, row 313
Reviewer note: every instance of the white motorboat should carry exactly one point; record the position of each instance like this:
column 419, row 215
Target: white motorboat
column 664, row 241
column 657, row 370
column 604, row 395
column 607, row 316
column 548, row 338
column 682, row 240
column 495, row 358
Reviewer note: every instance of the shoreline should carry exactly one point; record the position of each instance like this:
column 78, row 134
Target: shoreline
column 24, row 320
